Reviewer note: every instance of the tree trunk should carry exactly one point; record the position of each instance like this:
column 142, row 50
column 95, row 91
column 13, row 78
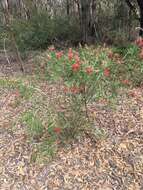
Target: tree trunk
column 6, row 10
column 68, row 8
column 92, row 18
column 140, row 3
column 85, row 19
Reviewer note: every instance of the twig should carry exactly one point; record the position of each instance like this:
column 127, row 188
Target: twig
column 5, row 52
column 85, row 104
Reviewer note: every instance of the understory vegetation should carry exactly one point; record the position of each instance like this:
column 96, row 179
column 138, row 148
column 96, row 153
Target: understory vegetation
column 85, row 53
column 71, row 94
column 59, row 97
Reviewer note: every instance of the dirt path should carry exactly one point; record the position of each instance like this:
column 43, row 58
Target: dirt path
column 113, row 163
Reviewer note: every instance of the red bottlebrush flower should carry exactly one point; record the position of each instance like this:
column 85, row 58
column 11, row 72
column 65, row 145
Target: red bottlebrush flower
column 107, row 72
column 59, row 54
column 139, row 42
column 77, row 58
column 125, row 82
column 57, row 130
column 75, row 90
column 70, row 54
column 75, row 67
column 89, row 70
column 51, row 48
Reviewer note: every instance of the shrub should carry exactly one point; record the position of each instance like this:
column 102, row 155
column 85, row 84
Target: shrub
column 84, row 76
column 34, row 33
column 25, row 91
column 35, row 127
column 81, row 78
column 41, row 30
column 132, row 67
column 67, row 29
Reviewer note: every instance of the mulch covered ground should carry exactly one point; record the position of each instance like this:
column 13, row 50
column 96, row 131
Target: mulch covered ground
column 111, row 163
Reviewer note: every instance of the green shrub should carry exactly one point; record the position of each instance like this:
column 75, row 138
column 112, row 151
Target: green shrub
column 67, row 29
column 133, row 64
column 41, row 30
column 33, row 33
column 34, row 125
column 25, row 91
column 85, row 76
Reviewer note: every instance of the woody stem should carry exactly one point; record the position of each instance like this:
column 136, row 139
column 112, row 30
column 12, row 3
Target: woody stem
column 85, row 103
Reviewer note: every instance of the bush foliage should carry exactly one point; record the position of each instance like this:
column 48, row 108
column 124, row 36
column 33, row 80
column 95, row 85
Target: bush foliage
column 40, row 31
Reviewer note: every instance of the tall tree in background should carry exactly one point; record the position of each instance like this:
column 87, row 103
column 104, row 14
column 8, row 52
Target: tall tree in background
column 7, row 9
column 85, row 19
column 68, row 7
column 88, row 9
column 133, row 8
column 88, row 20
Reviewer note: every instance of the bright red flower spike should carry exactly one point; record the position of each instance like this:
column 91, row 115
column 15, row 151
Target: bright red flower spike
column 139, row 42
column 107, row 72
column 89, row 70
column 70, row 54
column 51, row 48
column 57, row 130
column 59, row 54
column 75, row 90
column 77, row 58
column 75, row 67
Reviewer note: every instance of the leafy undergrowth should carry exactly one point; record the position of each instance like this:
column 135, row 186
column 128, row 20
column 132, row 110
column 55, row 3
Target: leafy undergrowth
column 82, row 107
column 28, row 139
column 57, row 104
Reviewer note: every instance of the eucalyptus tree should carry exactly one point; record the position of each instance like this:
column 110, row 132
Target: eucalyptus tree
column 136, row 6
column 140, row 4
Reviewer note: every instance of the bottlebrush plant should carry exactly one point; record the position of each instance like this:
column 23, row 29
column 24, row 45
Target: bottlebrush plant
column 84, row 76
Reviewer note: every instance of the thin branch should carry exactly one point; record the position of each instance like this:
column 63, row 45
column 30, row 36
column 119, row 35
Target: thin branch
column 5, row 52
